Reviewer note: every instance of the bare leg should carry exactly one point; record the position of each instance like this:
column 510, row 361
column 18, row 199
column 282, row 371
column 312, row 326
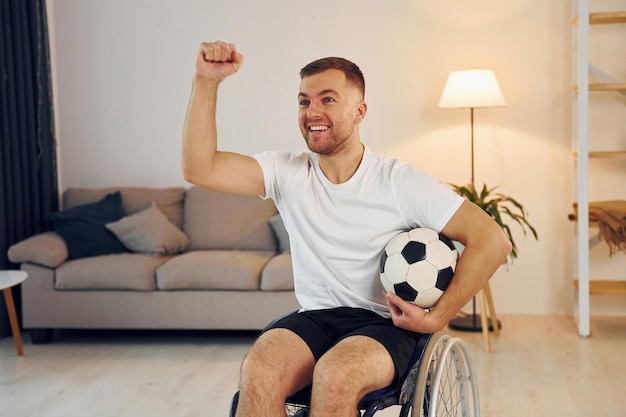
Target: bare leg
column 354, row 367
column 278, row 364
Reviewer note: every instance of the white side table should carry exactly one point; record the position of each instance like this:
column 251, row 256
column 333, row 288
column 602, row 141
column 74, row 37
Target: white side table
column 10, row 279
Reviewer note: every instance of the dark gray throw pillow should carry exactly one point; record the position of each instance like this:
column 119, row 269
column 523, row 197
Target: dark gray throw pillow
column 83, row 227
column 278, row 227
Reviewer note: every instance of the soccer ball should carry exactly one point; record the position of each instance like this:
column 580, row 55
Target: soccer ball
column 418, row 265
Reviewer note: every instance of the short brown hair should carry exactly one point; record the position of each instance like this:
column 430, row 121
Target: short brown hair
column 350, row 69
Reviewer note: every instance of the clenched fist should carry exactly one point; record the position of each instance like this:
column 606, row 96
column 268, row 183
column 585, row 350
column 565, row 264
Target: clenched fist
column 217, row 60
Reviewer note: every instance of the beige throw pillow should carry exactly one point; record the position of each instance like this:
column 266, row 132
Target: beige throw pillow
column 149, row 232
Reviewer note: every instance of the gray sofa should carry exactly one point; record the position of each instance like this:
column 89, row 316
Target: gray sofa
column 225, row 264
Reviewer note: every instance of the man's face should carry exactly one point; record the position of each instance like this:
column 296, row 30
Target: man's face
column 330, row 108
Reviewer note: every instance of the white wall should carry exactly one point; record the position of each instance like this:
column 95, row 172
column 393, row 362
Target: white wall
column 123, row 71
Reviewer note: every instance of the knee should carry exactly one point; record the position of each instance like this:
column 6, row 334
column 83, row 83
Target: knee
column 259, row 391
column 279, row 362
column 265, row 370
column 333, row 378
column 254, row 367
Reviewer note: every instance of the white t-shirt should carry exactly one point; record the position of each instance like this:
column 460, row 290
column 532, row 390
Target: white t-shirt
column 338, row 232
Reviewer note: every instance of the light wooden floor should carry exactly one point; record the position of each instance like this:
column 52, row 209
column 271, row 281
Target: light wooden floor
column 539, row 367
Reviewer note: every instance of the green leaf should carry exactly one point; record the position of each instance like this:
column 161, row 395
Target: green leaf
column 500, row 207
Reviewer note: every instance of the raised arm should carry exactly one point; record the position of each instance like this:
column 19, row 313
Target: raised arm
column 203, row 164
column 486, row 248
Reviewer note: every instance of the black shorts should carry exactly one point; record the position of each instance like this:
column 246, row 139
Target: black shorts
column 322, row 329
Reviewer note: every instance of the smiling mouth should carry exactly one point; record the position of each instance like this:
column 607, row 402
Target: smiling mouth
column 317, row 128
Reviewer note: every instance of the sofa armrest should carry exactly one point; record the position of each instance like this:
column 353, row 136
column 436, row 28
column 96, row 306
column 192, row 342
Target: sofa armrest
column 47, row 249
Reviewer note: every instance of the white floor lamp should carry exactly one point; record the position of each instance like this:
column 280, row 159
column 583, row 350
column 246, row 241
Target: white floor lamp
column 470, row 89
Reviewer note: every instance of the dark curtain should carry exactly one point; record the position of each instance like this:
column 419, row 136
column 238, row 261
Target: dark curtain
column 28, row 172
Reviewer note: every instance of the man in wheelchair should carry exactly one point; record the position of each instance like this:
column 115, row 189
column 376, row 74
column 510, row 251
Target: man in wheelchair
column 341, row 203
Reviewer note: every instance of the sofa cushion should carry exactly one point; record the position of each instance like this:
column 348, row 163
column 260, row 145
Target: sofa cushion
column 215, row 220
column 125, row 271
column 134, row 199
column 47, row 249
column 82, row 227
column 149, row 232
column 278, row 274
column 213, row 270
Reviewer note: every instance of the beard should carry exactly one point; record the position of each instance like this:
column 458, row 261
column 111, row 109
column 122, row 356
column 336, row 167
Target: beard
column 328, row 142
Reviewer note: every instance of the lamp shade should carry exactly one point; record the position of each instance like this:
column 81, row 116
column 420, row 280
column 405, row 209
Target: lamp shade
column 471, row 88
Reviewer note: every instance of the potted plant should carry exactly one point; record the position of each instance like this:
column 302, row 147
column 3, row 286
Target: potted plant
column 501, row 208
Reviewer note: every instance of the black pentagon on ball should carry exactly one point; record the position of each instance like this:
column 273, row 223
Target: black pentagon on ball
column 447, row 241
column 405, row 291
column 414, row 252
column 444, row 276
column 383, row 259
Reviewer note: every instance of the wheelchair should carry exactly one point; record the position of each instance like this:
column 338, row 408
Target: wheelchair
column 441, row 382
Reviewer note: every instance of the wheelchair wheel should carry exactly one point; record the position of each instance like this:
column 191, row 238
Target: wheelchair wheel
column 446, row 383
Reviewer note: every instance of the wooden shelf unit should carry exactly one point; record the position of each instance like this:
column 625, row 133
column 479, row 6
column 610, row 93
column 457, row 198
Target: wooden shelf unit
column 584, row 286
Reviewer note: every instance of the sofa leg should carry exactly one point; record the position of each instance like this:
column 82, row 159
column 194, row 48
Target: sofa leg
column 41, row 336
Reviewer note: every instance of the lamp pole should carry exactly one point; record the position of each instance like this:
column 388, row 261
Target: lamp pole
column 472, row 125
column 470, row 323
